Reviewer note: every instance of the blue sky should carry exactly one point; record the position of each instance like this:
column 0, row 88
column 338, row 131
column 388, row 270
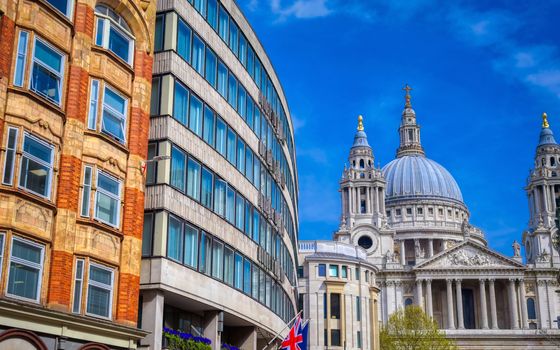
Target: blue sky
column 482, row 74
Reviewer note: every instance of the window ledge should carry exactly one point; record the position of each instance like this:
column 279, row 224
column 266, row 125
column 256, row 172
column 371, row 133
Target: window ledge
column 122, row 147
column 99, row 225
column 30, row 197
column 59, row 15
column 114, row 57
column 39, row 99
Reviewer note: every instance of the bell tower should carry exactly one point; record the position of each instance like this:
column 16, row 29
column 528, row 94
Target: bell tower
column 409, row 131
column 543, row 192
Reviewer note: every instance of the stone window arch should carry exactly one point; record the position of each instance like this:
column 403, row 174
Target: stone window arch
column 21, row 340
column 113, row 33
column 531, row 311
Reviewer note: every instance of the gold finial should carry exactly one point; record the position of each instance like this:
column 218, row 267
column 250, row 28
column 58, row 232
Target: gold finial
column 360, row 123
column 545, row 121
column 407, row 88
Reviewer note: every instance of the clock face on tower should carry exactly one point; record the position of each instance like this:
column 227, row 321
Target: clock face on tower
column 366, row 240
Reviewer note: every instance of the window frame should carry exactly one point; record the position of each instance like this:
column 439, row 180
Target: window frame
column 14, row 156
column 59, row 74
column 37, row 160
column 21, row 261
column 105, row 35
column 102, row 286
column 119, row 200
column 114, row 112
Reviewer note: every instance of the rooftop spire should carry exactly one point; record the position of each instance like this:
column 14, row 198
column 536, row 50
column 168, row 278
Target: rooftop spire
column 360, row 123
column 545, row 121
column 407, row 88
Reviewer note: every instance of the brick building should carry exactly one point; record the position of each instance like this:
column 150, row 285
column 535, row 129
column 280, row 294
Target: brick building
column 75, row 84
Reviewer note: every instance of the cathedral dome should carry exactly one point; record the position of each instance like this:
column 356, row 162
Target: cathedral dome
column 417, row 177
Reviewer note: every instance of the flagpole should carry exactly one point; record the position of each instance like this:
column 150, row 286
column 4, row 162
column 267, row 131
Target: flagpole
column 286, row 326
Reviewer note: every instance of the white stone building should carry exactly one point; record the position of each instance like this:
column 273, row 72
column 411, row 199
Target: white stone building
column 412, row 222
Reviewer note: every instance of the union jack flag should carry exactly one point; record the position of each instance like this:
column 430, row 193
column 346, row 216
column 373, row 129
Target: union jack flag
column 297, row 337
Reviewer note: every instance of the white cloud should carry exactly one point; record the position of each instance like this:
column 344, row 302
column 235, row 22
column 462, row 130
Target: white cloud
column 301, row 9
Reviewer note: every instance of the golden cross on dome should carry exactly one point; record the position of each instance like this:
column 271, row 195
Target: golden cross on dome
column 407, row 88
column 545, row 121
column 360, row 123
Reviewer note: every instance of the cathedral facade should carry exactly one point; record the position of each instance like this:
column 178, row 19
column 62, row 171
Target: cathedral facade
column 409, row 224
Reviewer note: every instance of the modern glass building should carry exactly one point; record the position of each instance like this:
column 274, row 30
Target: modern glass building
column 220, row 223
column 74, row 108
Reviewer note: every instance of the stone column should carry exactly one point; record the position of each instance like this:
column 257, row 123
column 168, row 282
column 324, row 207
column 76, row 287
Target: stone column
column 513, row 304
column 419, row 293
column 460, row 320
column 430, row 247
column 403, row 252
column 152, row 318
column 211, row 324
column 368, row 200
column 523, row 304
column 542, row 304
column 483, row 308
column 429, row 307
column 493, row 313
column 450, row 318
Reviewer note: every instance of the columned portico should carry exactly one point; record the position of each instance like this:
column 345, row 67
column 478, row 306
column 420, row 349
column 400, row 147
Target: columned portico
column 450, row 317
column 513, row 304
column 429, row 308
column 483, row 308
column 523, row 304
column 460, row 319
column 493, row 313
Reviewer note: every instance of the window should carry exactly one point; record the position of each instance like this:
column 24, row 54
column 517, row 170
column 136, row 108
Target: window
column 210, row 71
column 195, row 115
column 359, row 339
column 232, row 91
column 93, row 101
column 151, row 164
column 64, row 6
column 198, row 55
column 231, row 146
column 217, row 260
column 242, row 102
column 357, row 272
column 300, row 271
column 239, row 211
column 344, row 272
column 222, row 79
column 335, row 305
column 159, row 36
column 191, row 246
column 180, row 103
column 10, row 157
column 113, row 121
column 333, row 270
column 175, row 239
column 107, row 199
column 440, row 211
column 86, row 191
column 221, row 136
column 204, row 261
column 147, row 234
column 420, row 211
column 46, row 71
column 114, row 34
column 247, row 276
column 36, row 165
column 21, row 57
column 408, row 302
column 255, row 282
column 335, row 337
column 25, row 269
column 358, row 309
column 223, row 20
column 219, row 197
column 431, row 211
column 531, row 312
column 408, row 211
column 230, row 205
column 193, row 179
column 228, row 266
column 398, row 212
column 2, row 239
column 178, row 169
column 240, row 156
column 206, row 188
column 243, row 49
column 155, row 96
column 238, row 282
column 212, row 13
column 78, row 285
column 322, row 270
column 233, row 37
column 100, row 291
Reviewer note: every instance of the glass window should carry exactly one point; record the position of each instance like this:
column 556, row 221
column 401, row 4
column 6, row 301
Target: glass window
column 2, row 239
column 211, row 62
column 93, row 101
column 159, row 33
column 239, row 211
column 212, row 14
column 240, row 156
column 191, row 246
column 222, row 79
column 228, row 266
column 217, row 260
column 531, row 312
column 151, row 165
column 180, row 103
column 21, row 57
column 193, row 179
column 36, row 166
column 198, row 55
column 208, row 128
column 233, row 37
column 243, row 50
column 86, row 191
column 358, row 309
column 250, row 108
column 344, row 272
column 257, row 173
column 155, row 94
column 262, row 286
column 205, row 261
column 195, row 115
column 242, row 102
column 359, row 339
column 25, row 269
column 78, row 285
column 100, row 291
column 256, row 226
column 220, row 197
column 114, row 114
column 247, row 276
column 230, row 205
column 232, row 91
column 238, row 281
column 47, row 71
column 322, row 270
column 251, row 61
column 113, row 33
column 357, row 277
column 248, row 218
column 107, row 199
column 206, row 188
column 223, row 19
column 184, row 33
column 255, row 282
column 178, row 161
column 10, row 156
column 335, row 305
column 231, row 146
column 147, row 234
column 175, row 239
column 199, row 6
column 220, row 136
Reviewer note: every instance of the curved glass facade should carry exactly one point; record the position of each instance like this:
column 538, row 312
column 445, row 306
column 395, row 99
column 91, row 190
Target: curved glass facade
column 220, row 230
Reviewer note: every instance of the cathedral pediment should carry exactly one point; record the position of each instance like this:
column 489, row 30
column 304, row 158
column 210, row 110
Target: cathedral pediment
column 469, row 255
